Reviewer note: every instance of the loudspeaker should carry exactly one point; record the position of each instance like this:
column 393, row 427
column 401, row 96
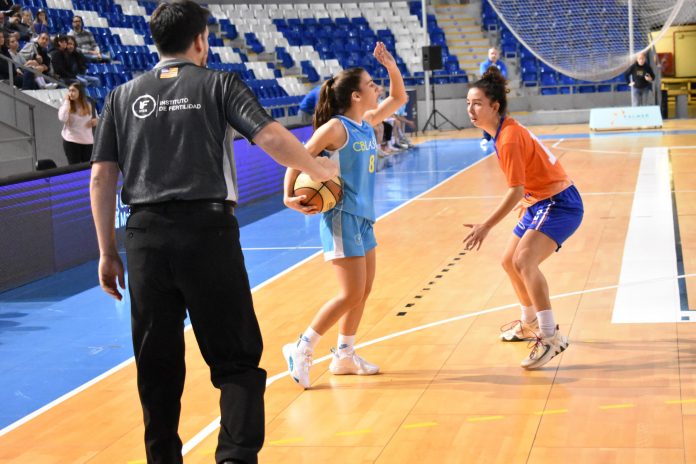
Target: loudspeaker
column 432, row 58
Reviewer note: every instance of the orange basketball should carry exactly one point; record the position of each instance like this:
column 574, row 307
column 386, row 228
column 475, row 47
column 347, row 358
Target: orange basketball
column 322, row 195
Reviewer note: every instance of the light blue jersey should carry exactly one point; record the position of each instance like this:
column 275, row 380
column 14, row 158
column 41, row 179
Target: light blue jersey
column 357, row 162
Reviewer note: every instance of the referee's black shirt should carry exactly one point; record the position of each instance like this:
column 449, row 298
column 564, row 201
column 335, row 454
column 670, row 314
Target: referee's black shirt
column 169, row 132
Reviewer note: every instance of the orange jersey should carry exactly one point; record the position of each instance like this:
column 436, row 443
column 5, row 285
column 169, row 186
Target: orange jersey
column 526, row 161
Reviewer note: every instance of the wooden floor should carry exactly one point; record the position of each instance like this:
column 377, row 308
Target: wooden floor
column 449, row 392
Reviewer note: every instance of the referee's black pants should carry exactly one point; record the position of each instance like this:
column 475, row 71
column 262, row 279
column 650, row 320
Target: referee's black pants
column 190, row 257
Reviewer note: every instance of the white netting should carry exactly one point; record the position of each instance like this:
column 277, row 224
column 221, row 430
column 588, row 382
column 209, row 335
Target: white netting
column 589, row 39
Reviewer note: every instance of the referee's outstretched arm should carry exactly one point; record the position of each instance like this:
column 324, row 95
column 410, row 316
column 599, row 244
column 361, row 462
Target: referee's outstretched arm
column 285, row 149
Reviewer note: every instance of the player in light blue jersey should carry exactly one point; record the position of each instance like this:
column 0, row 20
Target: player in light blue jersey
column 344, row 119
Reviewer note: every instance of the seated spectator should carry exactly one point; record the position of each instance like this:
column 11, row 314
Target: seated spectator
column 41, row 23
column 640, row 77
column 8, row 67
column 38, row 52
column 78, row 117
column 400, row 123
column 308, row 104
column 493, row 61
column 3, row 23
column 85, row 42
column 23, row 25
column 13, row 47
column 77, row 65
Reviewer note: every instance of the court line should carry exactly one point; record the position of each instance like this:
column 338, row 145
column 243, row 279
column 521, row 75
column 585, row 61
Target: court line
column 555, row 145
column 213, row 426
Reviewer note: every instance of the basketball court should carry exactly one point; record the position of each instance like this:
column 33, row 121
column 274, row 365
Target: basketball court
column 449, row 391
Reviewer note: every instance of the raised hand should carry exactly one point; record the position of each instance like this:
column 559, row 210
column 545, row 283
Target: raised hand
column 382, row 55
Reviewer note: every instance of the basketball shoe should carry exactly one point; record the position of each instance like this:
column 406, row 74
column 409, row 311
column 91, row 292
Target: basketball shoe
column 350, row 364
column 545, row 349
column 517, row 331
column 299, row 363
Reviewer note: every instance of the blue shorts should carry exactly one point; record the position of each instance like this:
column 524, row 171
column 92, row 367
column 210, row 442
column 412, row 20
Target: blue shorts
column 344, row 235
column 557, row 217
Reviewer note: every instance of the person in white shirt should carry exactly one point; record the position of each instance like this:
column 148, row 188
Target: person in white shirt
column 78, row 119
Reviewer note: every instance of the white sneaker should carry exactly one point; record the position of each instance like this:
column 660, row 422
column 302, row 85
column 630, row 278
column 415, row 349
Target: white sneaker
column 299, row 363
column 350, row 364
column 484, row 143
column 545, row 349
column 517, row 331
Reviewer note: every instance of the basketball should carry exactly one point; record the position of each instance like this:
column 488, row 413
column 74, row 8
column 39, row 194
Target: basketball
column 322, row 195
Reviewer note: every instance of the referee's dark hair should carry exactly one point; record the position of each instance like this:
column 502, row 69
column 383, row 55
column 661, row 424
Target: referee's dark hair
column 175, row 25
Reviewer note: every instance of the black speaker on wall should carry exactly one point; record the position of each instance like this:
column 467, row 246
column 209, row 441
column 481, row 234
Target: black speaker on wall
column 432, row 58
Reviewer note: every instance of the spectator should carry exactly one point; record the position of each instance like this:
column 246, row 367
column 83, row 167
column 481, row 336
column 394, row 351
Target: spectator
column 640, row 77
column 79, row 63
column 307, row 105
column 38, row 52
column 41, row 22
column 59, row 59
column 400, row 123
column 78, row 118
column 69, row 64
column 6, row 67
column 493, row 61
column 23, row 25
column 13, row 47
column 3, row 23
column 5, row 5
column 85, row 41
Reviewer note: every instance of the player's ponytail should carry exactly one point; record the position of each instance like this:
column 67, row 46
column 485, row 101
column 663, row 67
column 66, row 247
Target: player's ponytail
column 494, row 86
column 336, row 95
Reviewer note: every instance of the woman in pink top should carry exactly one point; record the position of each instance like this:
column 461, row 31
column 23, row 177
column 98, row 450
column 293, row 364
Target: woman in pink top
column 76, row 115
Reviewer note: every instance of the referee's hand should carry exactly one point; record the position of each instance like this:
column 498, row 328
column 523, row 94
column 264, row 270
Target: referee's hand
column 111, row 275
column 323, row 170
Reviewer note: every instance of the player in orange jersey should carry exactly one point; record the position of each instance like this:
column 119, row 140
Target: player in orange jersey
column 538, row 186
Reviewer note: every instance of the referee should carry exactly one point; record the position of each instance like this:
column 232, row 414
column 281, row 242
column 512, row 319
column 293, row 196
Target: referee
column 169, row 133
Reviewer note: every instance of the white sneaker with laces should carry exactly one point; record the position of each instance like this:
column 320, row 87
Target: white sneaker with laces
column 299, row 363
column 517, row 331
column 350, row 364
column 545, row 349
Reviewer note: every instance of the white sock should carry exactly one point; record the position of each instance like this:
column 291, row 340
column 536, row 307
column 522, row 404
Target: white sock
column 547, row 325
column 308, row 340
column 345, row 343
column 528, row 314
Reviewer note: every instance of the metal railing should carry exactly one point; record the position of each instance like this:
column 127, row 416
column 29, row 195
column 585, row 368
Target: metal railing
column 12, row 93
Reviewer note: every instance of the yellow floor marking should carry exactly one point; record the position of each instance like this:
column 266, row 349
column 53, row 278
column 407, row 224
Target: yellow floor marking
column 680, row 401
column 484, row 418
column 617, row 406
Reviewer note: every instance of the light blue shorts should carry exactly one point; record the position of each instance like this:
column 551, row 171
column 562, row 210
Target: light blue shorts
column 344, row 235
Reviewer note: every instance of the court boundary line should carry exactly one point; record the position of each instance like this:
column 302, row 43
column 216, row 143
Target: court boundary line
column 213, row 426
column 32, row 415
